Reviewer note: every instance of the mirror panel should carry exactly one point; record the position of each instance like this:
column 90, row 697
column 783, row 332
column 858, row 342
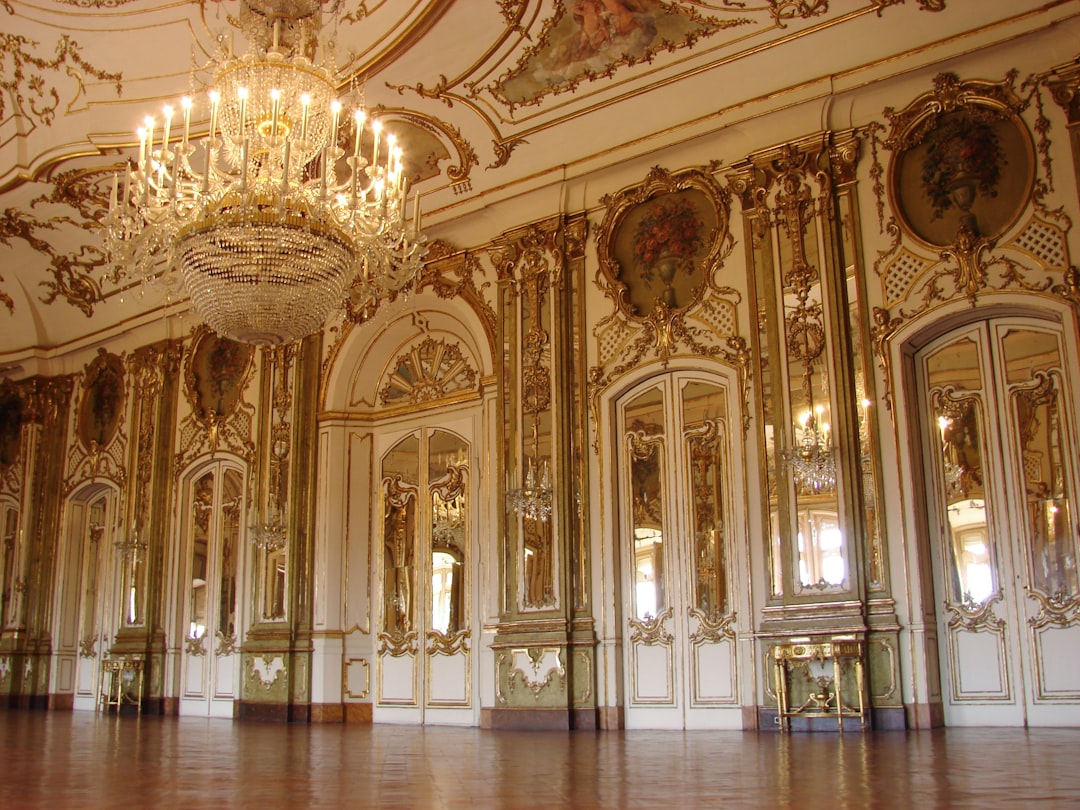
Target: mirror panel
column 705, row 431
column 400, row 487
column 644, row 418
column 1033, row 365
column 448, row 490
column 202, row 508
column 952, row 372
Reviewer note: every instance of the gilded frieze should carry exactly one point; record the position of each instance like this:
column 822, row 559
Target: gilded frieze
column 148, row 368
column 1057, row 609
column 974, row 616
column 442, row 644
column 536, row 668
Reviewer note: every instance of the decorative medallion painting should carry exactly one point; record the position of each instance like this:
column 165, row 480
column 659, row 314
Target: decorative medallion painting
column 963, row 167
column 657, row 242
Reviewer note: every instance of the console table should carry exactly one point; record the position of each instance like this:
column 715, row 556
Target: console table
column 835, row 655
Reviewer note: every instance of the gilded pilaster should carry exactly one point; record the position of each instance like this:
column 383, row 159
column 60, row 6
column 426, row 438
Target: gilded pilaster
column 276, row 654
column 154, row 379
column 30, row 567
column 545, row 642
column 814, row 379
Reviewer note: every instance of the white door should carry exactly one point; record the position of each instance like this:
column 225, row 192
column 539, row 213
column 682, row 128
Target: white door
column 1000, row 443
column 677, row 442
column 90, row 522
column 212, row 528
column 425, row 639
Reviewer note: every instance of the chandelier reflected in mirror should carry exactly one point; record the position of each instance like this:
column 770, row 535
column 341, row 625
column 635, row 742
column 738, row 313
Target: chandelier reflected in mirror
column 533, row 500
column 812, row 461
column 268, row 219
column 131, row 547
column 269, row 532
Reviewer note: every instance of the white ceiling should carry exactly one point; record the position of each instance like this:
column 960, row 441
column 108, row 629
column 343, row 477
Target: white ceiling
column 79, row 75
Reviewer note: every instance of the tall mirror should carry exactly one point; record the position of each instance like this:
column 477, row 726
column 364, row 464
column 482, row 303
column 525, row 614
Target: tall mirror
column 448, row 473
column 955, row 376
column 400, row 490
column 704, row 428
column 644, row 437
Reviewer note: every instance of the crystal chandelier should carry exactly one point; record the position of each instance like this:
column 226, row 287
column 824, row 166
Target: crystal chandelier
column 533, row 501
column 269, row 532
column 268, row 219
column 131, row 548
column 813, row 463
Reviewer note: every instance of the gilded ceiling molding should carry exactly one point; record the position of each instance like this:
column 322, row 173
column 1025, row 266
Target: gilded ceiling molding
column 966, row 170
column 95, row 3
column 924, row 5
column 569, row 50
column 661, row 250
column 597, row 40
column 25, row 79
column 217, row 372
column 76, row 278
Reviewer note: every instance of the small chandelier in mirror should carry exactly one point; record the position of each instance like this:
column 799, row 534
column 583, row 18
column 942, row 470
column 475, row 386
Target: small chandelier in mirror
column 533, row 500
column 131, row 547
column 269, row 532
column 812, row 462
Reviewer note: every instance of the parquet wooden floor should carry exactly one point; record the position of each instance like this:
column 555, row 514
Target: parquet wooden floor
column 85, row 760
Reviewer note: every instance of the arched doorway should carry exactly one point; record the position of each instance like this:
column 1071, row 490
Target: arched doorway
column 424, row 601
column 998, row 429
column 88, row 610
column 678, row 445
column 212, row 561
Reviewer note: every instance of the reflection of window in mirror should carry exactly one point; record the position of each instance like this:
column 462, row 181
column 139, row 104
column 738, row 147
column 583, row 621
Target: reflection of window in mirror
column 445, row 587
column 821, row 549
column 973, row 571
column 197, row 628
column 649, row 596
column 274, row 586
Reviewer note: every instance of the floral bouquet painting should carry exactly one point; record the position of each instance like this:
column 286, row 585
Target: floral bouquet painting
column 666, row 241
column 963, row 159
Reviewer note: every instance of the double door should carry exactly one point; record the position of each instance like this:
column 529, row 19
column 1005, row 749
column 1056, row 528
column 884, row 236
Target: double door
column 210, row 658
column 423, row 608
column 999, row 430
column 677, row 453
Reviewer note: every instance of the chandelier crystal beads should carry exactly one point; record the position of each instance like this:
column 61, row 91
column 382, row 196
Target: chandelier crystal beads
column 268, row 219
column 812, row 462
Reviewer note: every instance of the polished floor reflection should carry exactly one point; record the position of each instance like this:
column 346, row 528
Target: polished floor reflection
column 83, row 760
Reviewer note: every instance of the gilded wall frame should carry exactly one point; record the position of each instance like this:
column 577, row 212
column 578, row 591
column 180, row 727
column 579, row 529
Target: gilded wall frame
column 102, row 403
column 964, row 162
column 215, row 376
column 661, row 242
